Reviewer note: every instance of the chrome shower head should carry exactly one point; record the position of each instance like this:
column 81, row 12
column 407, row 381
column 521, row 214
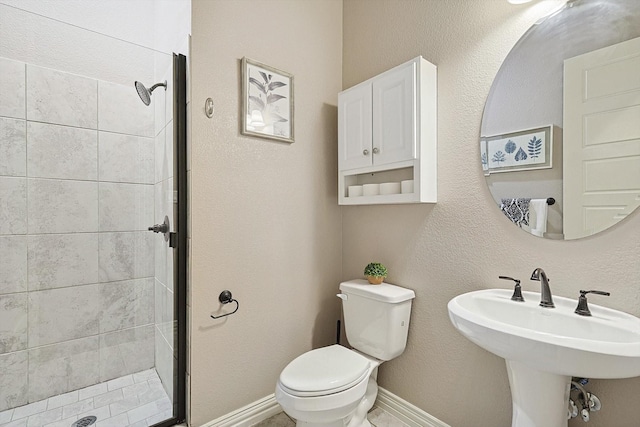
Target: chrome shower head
column 145, row 94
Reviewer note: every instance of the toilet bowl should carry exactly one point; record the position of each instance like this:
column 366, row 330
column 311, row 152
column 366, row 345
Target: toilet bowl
column 330, row 387
column 335, row 386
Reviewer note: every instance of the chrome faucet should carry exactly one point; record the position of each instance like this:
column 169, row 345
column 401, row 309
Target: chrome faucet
column 545, row 293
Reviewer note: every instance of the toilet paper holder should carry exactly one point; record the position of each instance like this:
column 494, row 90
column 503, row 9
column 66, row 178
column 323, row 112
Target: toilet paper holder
column 225, row 297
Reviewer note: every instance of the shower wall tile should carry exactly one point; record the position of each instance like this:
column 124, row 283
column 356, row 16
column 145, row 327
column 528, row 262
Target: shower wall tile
column 126, row 304
column 121, row 110
column 160, row 301
column 61, row 98
column 13, row 322
column 13, row 146
column 77, row 292
column 126, row 255
column 62, row 206
column 13, row 387
column 127, row 351
column 13, row 205
column 164, row 312
column 159, row 102
column 163, row 104
column 64, row 152
column 62, row 367
column 12, row 88
column 164, row 199
column 169, row 152
column 168, row 331
column 164, row 154
column 126, row 158
column 59, row 260
column 125, row 207
column 58, row 315
column 168, row 325
column 169, row 96
column 163, row 253
column 164, row 362
column 13, row 265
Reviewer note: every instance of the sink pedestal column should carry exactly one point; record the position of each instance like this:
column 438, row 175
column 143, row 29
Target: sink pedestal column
column 540, row 399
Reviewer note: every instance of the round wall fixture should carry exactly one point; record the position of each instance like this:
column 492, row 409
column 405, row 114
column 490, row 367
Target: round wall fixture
column 208, row 107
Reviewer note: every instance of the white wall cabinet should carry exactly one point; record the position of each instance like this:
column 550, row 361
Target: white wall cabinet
column 387, row 133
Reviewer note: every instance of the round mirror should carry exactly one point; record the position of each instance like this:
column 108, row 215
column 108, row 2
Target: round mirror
column 560, row 136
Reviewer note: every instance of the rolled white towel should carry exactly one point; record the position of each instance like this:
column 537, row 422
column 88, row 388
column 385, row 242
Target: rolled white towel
column 539, row 223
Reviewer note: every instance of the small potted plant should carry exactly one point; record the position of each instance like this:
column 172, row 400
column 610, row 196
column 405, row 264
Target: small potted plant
column 375, row 273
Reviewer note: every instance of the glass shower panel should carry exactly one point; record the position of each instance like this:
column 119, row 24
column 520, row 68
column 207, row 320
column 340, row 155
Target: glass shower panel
column 86, row 291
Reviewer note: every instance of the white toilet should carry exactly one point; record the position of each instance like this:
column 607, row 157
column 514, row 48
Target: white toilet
column 335, row 386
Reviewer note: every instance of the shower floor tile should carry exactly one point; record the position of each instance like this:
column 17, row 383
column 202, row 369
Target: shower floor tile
column 137, row 399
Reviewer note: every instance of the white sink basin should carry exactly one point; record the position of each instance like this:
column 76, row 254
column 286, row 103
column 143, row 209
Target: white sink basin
column 545, row 347
column 556, row 340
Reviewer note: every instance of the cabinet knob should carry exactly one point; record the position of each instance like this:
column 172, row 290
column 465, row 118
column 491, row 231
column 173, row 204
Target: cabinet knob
column 375, row 150
column 365, row 152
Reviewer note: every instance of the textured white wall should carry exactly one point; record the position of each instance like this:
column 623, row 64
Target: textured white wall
column 122, row 19
column 463, row 242
column 42, row 41
column 119, row 41
column 265, row 220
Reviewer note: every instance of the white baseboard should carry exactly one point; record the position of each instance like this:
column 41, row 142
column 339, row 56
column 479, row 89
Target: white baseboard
column 249, row 415
column 406, row 412
column 267, row 407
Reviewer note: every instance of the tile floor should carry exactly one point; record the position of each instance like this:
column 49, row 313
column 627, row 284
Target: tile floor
column 377, row 417
column 136, row 400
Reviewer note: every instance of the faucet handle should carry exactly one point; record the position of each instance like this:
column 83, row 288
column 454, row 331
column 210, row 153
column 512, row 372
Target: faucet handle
column 583, row 308
column 517, row 290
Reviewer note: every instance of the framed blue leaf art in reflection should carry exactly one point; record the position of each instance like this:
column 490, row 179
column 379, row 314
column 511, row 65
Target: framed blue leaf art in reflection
column 518, row 151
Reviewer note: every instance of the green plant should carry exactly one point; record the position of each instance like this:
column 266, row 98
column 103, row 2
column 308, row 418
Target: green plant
column 375, row 269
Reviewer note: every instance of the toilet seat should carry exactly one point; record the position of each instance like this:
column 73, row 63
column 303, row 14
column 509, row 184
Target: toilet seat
column 324, row 371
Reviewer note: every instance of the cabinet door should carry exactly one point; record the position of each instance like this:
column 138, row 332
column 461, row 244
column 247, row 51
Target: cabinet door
column 354, row 127
column 394, row 116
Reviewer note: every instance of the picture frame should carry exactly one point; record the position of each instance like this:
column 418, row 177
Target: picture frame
column 518, row 151
column 267, row 105
column 483, row 157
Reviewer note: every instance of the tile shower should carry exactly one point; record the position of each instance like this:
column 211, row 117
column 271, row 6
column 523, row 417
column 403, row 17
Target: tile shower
column 86, row 293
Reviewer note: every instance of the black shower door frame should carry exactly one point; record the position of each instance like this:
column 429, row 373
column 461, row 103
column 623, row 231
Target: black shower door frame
column 179, row 240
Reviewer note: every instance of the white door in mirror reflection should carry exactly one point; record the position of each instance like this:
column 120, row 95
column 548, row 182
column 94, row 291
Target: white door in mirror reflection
column 602, row 110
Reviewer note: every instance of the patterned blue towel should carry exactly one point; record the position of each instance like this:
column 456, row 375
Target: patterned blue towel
column 517, row 210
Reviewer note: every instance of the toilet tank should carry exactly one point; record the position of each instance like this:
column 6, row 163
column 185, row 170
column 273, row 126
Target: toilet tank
column 376, row 317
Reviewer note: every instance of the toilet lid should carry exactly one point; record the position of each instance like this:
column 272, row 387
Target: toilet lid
column 324, row 371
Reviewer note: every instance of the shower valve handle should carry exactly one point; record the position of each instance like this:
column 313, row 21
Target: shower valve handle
column 162, row 228
column 159, row 228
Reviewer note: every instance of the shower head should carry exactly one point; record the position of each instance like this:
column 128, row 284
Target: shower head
column 145, row 94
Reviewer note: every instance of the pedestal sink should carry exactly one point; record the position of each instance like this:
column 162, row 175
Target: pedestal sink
column 544, row 347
